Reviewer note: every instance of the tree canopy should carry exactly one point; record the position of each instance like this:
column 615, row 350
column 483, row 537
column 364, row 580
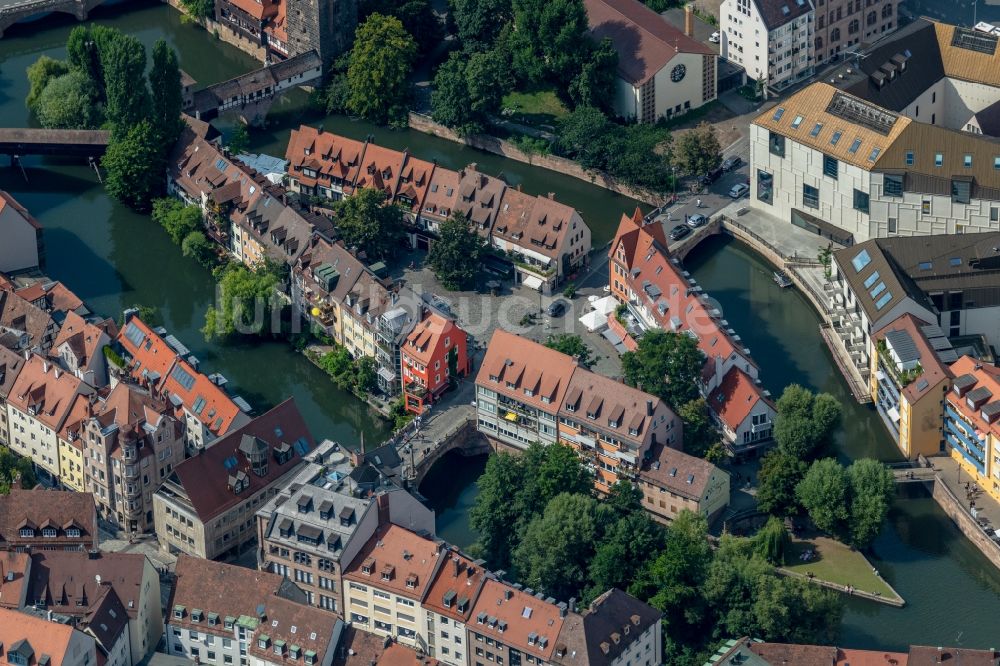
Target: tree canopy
column 69, row 102
column 135, row 164
column 417, row 16
column 872, row 488
column 779, row 474
column 701, row 437
column 367, row 222
column 247, row 299
column 824, row 493
column 697, row 151
column 666, row 364
column 804, row 421
column 14, row 468
column 40, row 73
column 379, row 65
column 177, row 218
column 455, row 256
column 571, row 345
column 165, row 86
column 478, row 22
column 467, row 88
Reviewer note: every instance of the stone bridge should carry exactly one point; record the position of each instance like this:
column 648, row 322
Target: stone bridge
column 420, row 453
column 12, row 11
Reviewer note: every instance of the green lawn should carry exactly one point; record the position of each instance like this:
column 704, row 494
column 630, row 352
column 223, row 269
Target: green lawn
column 836, row 563
column 536, row 108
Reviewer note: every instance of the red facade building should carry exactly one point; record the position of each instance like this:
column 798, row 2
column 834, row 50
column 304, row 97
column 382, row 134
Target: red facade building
column 433, row 352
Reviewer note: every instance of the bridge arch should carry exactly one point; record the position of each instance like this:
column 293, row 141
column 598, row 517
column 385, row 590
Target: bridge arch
column 20, row 11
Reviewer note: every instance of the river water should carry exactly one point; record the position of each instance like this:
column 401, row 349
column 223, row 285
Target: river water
column 113, row 258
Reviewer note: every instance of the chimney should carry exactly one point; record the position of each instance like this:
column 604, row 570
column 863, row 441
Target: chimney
column 688, row 20
column 458, row 565
column 649, row 408
column 572, row 604
column 383, row 509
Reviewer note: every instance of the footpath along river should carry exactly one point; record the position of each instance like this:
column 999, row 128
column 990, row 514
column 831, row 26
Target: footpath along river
column 113, row 258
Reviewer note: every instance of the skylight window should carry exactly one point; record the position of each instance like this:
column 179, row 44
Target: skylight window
column 955, row 261
column 881, row 302
column 879, row 288
column 925, row 265
column 860, row 260
column 780, row 111
column 815, row 130
column 874, row 154
column 938, row 159
column 836, row 137
column 909, row 158
column 854, row 146
column 872, row 279
column 967, row 161
column 797, row 122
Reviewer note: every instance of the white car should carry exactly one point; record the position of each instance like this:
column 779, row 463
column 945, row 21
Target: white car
column 739, row 190
column 715, row 38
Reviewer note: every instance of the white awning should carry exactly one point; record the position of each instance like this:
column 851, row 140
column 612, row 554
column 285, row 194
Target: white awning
column 594, row 320
column 893, row 413
column 532, row 282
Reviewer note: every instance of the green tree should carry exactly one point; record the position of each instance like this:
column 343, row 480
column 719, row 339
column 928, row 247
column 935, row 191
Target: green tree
column 549, row 41
column 467, row 89
column 671, row 582
column 69, row 102
column 772, row 540
column 731, row 585
column 666, row 364
column 136, row 167
column 123, row 61
column 794, row 611
column 571, row 345
column 697, row 151
column 380, row 63
column 199, row 248
column 417, row 16
column 239, row 140
column 178, row 219
column 478, row 22
column 455, row 257
column 824, row 493
column 583, row 135
column 804, row 421
column 487, row 77
column 700, row 434
column 365, row 377
column 557, row 546
column 872, row 489
column 367, row 222
column 494, row 515
column 626, row 544
column 83, row 54
column 40, row 73
column 245, row 301
column 199, row 9
column 779, row 474
column 165, row 85
column 595, row 84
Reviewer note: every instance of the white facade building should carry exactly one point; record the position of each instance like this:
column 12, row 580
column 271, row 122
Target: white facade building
column 771, row 39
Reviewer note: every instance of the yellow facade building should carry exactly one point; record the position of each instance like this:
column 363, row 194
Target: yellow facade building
column 909, row 377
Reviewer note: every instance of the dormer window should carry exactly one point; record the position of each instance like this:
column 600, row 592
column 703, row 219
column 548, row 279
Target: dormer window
column 213, row 619
column 196, row 615
column 49, row 532
column 528, row 392
column 612, row 423
column 633, row 431
column 591, row 415
column 178, row 612
column 26, row 532
column 73, row 533
column 263, row 642
column 570, row 407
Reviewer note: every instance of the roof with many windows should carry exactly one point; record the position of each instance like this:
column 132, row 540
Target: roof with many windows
column 37, row 640
column 397, row 560
column 208, row 478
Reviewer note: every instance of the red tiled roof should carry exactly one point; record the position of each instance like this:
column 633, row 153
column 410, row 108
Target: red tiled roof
column 398, row 560
column 361, row 648
column 428, row 335
column 61, row 579
column 205, row 477
column 933, row 369
column 258, row 10
column 645, row 42
column 458, row 578
column 15, row 568
column 83, row 337
column 735, row 397
column 56, row 508
column 174, row 376
column 527, row 618
column 528, row 365
column 44, row 387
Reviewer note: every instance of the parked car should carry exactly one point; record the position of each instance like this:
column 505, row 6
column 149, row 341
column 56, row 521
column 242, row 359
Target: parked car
column 696, row 221
column 739, row 190
column 711, row 177
column 679, row 232
column 715, row 38
column 732, row 163
column 556, row 308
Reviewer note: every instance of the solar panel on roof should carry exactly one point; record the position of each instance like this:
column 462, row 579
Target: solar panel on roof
column 301, row 446
column 134, row 334
column 220, row 164
column 974, row 40
column 862, row 113
column 182, row 377
column 922, row 384
column 230, row 462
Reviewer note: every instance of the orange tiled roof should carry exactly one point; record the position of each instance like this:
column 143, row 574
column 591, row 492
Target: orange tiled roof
column 258, row 10
column 528, row 366
column 44, row 637
column 83, row 337
column 427, row 336
column 457, row 579
column 933, row 369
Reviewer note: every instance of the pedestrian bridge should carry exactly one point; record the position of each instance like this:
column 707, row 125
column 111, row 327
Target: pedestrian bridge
column 20, row 141
column 13, row 11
